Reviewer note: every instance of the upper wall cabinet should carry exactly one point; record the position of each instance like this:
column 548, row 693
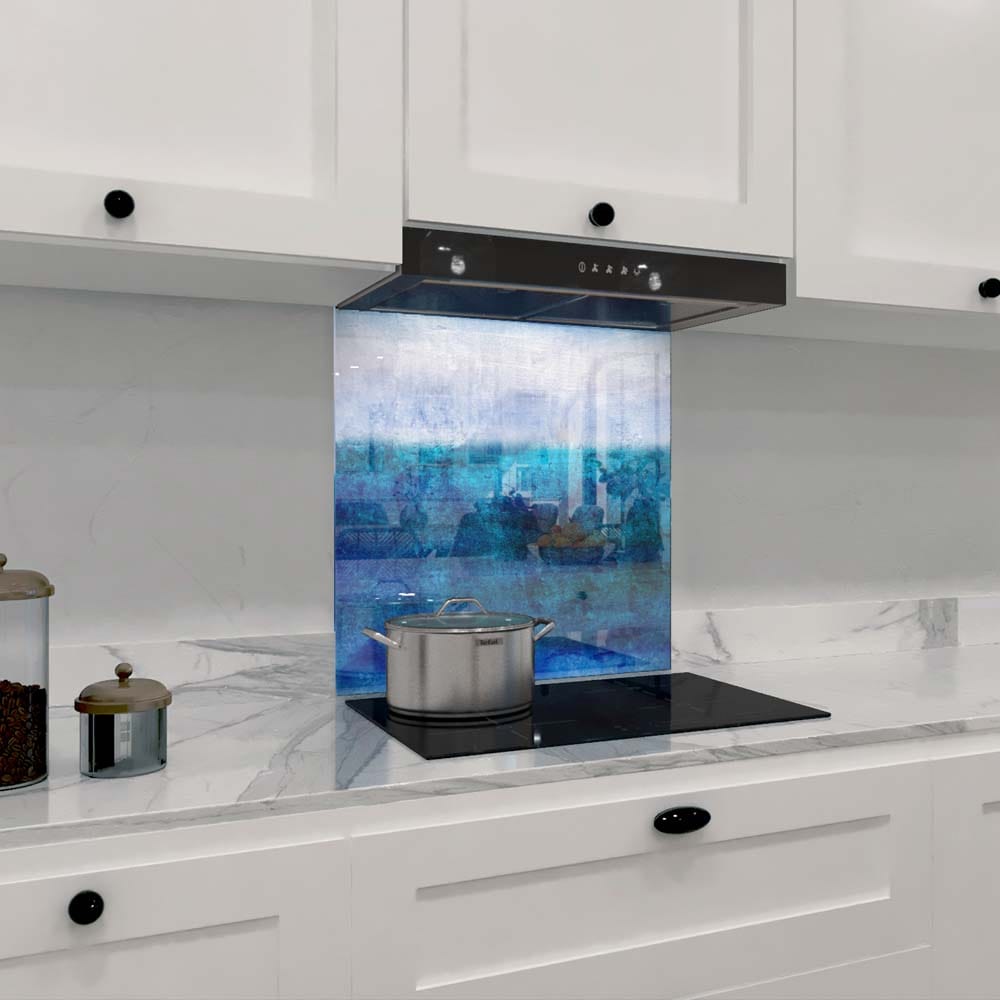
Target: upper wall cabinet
column 245, row 125
column 898, row 158
column 675, row 113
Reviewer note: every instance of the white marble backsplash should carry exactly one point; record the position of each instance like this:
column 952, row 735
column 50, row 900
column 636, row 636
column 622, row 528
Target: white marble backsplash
column 808, row 631
column 753, row 635
column 700, row 638
column 195, row 661
column 979, row 620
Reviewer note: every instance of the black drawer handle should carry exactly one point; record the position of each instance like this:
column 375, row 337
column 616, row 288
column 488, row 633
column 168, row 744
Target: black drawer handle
column 86, row 907
column 682, row 819
column 119, row 204
column 990, row 288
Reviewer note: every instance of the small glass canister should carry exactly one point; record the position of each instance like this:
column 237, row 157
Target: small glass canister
column 123, row 725
column 24, row 675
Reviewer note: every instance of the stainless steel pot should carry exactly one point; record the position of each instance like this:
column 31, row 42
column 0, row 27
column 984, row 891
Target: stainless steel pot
column 455, row 665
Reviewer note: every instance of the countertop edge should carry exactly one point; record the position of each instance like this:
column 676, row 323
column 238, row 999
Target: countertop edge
column 76, row 830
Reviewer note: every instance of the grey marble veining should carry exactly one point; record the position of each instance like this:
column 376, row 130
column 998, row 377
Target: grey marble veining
column 256, row 730
column 762, row 634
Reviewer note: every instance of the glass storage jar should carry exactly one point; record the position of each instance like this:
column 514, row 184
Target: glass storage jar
column 123, row 725
column 24, row 675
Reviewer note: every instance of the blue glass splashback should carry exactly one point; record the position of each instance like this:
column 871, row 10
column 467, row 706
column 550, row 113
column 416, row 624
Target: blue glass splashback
column 526, row 465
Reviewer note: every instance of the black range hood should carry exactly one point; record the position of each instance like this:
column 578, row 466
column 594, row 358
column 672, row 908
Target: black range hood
column 449, row 273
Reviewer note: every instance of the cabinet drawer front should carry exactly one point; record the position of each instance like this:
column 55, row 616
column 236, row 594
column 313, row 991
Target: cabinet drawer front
column 787, row 877
column 905, row 975
column 236, row 960
column 258, row 923
column 523, row 115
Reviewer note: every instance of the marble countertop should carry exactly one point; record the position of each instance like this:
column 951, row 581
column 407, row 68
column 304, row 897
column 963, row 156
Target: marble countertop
column 255, row 730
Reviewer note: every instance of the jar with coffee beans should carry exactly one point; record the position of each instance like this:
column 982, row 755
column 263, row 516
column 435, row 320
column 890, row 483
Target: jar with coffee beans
column 24, row 676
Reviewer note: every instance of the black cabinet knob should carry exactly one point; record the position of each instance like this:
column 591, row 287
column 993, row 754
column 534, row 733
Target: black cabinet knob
column 990, row 288
column 119, row 204
column 85, row 907
column 602, row 214
column 682, row 819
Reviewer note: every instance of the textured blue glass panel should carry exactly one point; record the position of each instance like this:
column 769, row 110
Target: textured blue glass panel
column 526, row 465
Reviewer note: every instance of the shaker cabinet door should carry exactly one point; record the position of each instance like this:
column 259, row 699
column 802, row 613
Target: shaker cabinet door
column 258, row 924
column 676, row 114
column 788, row 879
column 241, row 125
column 966, row 876
column 898, row 152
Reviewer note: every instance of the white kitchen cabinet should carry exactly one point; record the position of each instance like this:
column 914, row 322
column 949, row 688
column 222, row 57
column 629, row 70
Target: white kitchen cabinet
column 898, row 151
column 523, row 115
column 238, row 125
column 966, row 875
column 259, row 923
column 808, row 887
column 906, row 975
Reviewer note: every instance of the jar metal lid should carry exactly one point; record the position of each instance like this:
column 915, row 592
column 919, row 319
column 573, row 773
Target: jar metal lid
column 141, row 694
column 22, row 584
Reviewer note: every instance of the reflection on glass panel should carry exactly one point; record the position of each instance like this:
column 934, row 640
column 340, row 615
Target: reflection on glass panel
column 527, row 466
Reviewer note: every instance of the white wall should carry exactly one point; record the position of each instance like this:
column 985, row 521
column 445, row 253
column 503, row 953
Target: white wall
column 168, row 462
column 815, row 471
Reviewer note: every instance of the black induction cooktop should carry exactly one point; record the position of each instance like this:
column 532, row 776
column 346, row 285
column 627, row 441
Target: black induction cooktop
column 590, row 711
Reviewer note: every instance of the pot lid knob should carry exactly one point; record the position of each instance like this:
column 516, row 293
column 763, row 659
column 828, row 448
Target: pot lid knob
column 123, row 672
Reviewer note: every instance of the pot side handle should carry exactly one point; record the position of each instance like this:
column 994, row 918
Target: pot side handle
column 549, row 626
column 379, row 638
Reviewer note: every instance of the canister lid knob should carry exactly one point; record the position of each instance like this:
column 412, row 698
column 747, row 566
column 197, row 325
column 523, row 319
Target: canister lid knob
column 126, row 694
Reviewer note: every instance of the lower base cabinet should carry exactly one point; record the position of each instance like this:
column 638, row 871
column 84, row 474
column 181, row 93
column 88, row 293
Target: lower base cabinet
column 257, row 924
column 806, row 887
column 967, row 876
column 833, row 883
column 906, row 974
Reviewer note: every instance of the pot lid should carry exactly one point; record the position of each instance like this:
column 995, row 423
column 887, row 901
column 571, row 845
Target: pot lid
column 124, row 695
column 464, row 621
column 22, row 584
